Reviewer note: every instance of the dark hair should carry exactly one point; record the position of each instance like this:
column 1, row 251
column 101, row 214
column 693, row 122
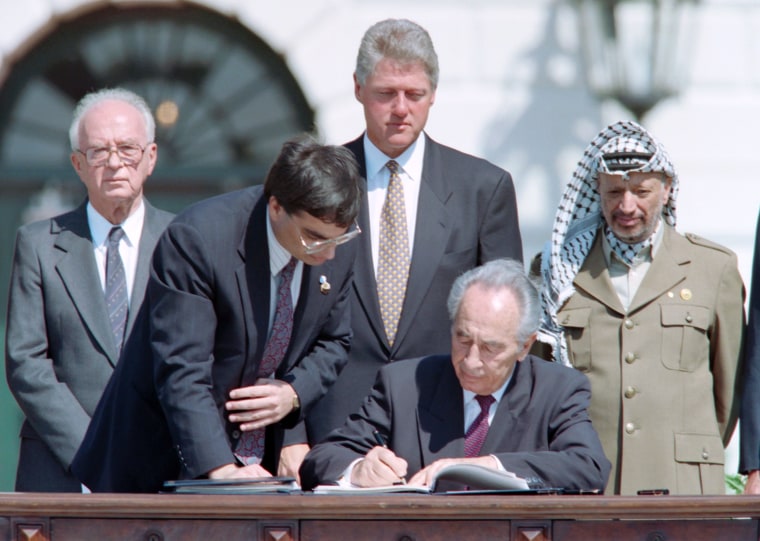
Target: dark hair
column 321, row 180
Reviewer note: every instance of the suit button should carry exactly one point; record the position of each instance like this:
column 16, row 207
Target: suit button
column 628, row 324
column 689, row 319
column 630, row 428
column 705, row 454
column 236, row 434
column 630, row 357
column 630, row 392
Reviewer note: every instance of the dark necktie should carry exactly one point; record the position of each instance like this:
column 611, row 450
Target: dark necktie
column 476, row 434
column 393, row 264
column 250, row 448
column 117, row 300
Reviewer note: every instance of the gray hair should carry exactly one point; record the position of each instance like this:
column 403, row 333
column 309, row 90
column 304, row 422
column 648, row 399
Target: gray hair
column 501, row 274
column 107, row 94
column 397, row 39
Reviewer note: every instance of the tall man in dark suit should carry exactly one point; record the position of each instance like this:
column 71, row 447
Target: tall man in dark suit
column 749, row 425
column 60, row 344
column 188, row 407
column 459, row 212
column 531, row 414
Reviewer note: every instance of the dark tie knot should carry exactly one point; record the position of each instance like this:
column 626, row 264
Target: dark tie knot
column 392, row 166
column 115, row 236
column 485, row 401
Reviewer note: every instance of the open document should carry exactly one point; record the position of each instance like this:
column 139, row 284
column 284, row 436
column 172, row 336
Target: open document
column 472, row 476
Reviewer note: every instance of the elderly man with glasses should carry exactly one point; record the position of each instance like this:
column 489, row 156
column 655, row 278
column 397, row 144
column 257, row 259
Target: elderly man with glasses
column 77, row 284
column 247, row 327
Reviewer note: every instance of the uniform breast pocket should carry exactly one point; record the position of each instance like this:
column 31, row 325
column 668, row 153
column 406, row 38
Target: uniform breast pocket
column 685, row 344
column 575, row 323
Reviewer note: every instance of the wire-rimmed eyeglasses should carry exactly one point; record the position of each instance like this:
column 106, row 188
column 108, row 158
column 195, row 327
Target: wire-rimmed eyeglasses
column 319, row 245
column 130, row 154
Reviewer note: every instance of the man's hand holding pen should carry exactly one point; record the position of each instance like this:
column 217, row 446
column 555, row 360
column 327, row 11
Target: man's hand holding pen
column 380, row 467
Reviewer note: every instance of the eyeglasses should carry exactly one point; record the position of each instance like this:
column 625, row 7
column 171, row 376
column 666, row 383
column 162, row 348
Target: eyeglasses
column 129, row 154
column 318, row 245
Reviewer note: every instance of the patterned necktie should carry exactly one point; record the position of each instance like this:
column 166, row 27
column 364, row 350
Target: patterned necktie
column 476, row 434
column 393, row 267
column 117, row 301
column 250, row 448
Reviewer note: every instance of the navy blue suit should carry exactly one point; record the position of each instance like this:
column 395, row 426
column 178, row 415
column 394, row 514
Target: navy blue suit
column 162, row 415
column 749, row 425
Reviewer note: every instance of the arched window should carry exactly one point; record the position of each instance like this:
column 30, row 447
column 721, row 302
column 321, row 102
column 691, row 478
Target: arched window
column 223, row 99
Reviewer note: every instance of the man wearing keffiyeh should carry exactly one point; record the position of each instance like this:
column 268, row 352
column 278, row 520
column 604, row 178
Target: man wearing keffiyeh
column 654, row 318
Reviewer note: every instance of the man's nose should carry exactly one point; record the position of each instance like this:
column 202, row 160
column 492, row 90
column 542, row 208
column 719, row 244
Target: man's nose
column 114, row 160
column 627, row 202
column 400, row 104
column 472, row 359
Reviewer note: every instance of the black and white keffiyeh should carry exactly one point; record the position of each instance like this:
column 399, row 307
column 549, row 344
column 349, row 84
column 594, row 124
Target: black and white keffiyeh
column 627, row 147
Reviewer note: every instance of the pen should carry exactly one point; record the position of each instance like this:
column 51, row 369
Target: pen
column 380, row 439
column 382, row 443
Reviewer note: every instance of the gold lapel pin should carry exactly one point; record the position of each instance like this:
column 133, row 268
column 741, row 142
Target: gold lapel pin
column 324, row 285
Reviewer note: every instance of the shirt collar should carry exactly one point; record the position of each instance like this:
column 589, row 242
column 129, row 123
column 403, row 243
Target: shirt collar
column 497, row 394
column 100, row 227
column 410, row 160
column 278, row 256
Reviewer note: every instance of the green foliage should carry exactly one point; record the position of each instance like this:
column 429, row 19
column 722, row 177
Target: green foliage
column 735, row 483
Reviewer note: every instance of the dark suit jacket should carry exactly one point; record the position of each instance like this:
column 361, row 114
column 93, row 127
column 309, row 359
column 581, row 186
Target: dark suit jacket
column 541, row 429
column 466, row 216
column 209, row 311
column 59, row 346
column 749, row 440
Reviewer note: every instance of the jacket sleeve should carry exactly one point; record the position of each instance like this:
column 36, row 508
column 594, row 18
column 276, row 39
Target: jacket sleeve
column 48, row 403
column 726, row 347
column 574, row 458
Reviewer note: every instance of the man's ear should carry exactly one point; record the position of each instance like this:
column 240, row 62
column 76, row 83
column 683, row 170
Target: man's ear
column 357, row 88
column 275, row 209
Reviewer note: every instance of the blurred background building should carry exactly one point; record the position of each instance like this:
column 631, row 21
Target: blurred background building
column 524, row 83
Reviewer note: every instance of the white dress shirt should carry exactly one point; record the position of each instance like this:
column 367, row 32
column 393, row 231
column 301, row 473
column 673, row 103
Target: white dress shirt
column 128, row 249
column 278, row 258
column 378, row 177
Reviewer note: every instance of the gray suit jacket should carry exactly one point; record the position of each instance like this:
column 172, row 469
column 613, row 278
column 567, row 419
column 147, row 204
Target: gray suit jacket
column 541, row 429
column 59, row 347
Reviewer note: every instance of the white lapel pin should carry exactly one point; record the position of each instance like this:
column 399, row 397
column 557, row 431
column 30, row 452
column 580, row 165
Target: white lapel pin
column 324, row 285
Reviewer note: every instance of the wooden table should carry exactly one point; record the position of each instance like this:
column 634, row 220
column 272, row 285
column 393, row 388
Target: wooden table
column 306, row 517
